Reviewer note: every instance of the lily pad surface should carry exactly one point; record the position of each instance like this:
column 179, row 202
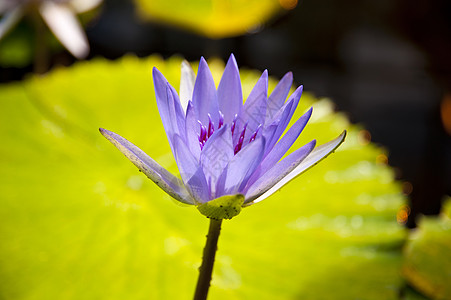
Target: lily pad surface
column 427, row 264
column 78, row 221
column 212, row 18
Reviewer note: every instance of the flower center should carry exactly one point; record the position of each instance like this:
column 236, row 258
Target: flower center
column 207, row 131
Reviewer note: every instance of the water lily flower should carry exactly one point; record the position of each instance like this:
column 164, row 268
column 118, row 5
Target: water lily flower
column 229, row 154
column 59, row 16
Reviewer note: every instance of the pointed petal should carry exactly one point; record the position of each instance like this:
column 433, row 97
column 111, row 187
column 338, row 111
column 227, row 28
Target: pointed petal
column 81, row 6
column 171, row 127
column 235, row 176
column 216, row 154
column 286, row 141
column 10, row 19
column 254, row 109
column 278, row 172
column 164, row 179
column 230, row 96
column 169, row 107
column 296, row 96
column 282, row 146
column 268, row 131
column 278, row 96
column 159, row 83
column 191, row 172
column 318, row 154
column 186, row 84
column 177, row 114
column 204, row 95
column 281, row 123
column 63, row 23
column 192, row 131
column 284, row 117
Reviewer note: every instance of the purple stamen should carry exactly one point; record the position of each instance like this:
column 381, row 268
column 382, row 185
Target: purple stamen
column 221, row 120
column 240, row 140
column 243, row 131
column 239, row 145
column 211, row 126
column 203, row 133
column 237, row 148
column 255, row 133
column 200, row 133
column 234, row 123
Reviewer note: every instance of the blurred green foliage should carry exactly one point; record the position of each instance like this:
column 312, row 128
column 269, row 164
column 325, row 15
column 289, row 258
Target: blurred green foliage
column 427, row 262
column 16, row 50
column 212, row 18
column 18, row 47
column 78, row 221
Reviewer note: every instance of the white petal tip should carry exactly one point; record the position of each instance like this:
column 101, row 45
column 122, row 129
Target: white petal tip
column 65, row 26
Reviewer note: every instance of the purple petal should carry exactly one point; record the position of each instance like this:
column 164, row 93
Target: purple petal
column 296, row 96
column 165, row 180
column 278, row 96
column 169, row 107
column 204, row 95
column 268, row 131
column 235, row 176
column 286, row 141
column 161, row 95
column 230, row 96
column 278, row 172
column 285, row 118
column 191, row 172
column 192, row 131
column 159, row 83
column 281, row 122
column 254, row 109
column 318, row 154
column 216, row 154
column 172, row 123
column 176, row 112
column 282, row 146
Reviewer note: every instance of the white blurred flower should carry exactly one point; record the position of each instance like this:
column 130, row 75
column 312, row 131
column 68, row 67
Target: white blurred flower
column 59, row 15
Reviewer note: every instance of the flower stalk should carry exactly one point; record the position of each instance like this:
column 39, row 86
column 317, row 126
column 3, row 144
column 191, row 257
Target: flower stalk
column 208, row 260
column 41, row 56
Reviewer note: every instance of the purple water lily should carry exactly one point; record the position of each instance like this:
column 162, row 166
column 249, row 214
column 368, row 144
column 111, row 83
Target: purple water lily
column 224, row 147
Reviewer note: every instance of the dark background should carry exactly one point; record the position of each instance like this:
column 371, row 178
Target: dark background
column 386, row 63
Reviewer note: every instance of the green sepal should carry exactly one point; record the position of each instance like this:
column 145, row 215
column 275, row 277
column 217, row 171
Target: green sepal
column 225, row 207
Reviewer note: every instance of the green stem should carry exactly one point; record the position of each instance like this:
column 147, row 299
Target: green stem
column 41, row 55
column 208, row 260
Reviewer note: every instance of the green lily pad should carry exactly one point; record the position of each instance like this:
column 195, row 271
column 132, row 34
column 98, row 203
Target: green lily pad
column 427, row 264
column 78, row 221
column 212, row 18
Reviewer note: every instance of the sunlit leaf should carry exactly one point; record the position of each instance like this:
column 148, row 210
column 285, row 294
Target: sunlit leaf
column 427, row 262
column 78, row 221
column 213, row 18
